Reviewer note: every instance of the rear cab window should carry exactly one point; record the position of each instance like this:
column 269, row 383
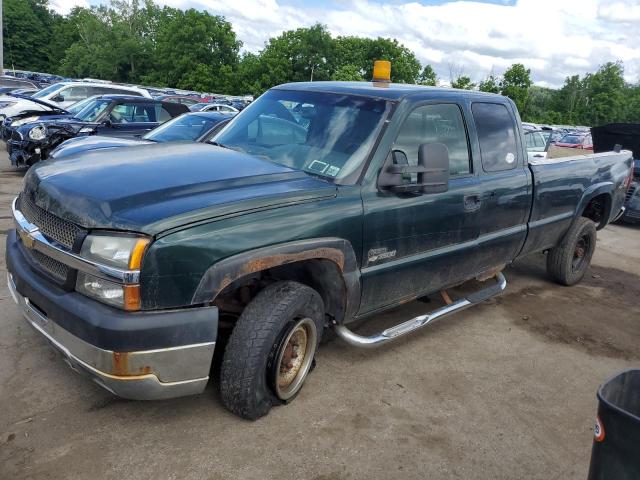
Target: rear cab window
column 496, row 136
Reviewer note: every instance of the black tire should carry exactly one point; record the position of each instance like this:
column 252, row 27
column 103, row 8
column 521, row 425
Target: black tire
column 245, row 380
column 568, row 262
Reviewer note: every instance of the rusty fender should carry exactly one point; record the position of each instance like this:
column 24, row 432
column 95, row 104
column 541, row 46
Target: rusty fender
column 336, row 250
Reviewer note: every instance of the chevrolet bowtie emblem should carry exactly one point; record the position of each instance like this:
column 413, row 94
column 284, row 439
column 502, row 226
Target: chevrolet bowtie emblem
column 27, row 239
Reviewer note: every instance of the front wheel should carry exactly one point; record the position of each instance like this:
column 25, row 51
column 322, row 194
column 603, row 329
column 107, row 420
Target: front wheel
column 271, row 349
column 568, row 262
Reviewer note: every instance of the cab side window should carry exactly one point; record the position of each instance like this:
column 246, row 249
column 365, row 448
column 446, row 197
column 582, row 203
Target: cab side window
column 440, row 123
column 496, row 136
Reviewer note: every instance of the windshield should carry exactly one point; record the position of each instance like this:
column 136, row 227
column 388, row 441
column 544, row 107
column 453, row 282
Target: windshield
column 92, row 111
column 46, row 91
column 184, row 127
column 78, row 106
column 324, row 134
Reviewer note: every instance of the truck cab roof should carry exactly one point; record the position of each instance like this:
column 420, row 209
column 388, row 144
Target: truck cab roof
column 387, row 91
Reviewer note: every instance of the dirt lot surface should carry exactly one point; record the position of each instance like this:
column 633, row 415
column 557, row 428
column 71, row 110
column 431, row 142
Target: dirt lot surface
column 502, row 391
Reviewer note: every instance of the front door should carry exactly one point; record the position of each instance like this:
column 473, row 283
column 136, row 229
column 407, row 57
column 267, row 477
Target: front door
column 417, row 244
column 129, row 120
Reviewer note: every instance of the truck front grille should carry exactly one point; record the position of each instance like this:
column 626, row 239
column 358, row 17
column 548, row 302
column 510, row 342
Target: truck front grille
column 56, row 269
column 53, row 227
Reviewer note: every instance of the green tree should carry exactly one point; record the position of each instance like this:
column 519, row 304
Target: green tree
column 490, row 84
column 428, row 76
column 405, row 67
column 27, row 29
column 605, row 91
column 515, row 84
column 570, row 100
column 193, row 48
column 463, row 82
column 347, row 73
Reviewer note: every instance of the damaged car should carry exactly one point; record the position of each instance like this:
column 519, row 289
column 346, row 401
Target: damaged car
column 190, row 127
column 107, row 115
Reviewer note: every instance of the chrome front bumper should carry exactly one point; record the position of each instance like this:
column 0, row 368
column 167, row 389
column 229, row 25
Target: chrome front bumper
column 143, row 375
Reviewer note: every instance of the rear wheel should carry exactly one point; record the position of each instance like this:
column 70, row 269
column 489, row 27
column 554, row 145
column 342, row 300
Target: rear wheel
column 271, row 349
column 568, row 262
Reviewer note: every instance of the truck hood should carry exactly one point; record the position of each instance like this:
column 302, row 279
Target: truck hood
column 78, row 145
column 154, row 188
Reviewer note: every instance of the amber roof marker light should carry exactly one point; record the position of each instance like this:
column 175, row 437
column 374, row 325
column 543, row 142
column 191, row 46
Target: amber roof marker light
column 382, row 71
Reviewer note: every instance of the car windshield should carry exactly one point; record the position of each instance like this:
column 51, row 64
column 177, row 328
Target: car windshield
column 198, row 106
column 324, row 134
column 184, row 127
column 78, row 106
column 46, row 91
column 92, row 111
column 571, row 139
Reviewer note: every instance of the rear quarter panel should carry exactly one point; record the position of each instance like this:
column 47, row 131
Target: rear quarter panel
column 563, row 187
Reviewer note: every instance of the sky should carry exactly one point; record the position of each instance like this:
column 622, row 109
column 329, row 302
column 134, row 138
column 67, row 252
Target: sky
column 553, row 38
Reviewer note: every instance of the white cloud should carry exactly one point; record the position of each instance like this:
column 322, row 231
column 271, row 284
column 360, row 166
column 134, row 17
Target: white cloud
column 65, row 6
column 554, row 38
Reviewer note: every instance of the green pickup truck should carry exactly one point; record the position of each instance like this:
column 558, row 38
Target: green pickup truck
column 320, row 204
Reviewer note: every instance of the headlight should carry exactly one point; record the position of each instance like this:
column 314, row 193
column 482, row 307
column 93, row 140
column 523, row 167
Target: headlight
column 87, row 130
column 119, row 251
column 7, row 104
column 107, row 292
column 124, row 252
column 22, row 121
column 38, row 133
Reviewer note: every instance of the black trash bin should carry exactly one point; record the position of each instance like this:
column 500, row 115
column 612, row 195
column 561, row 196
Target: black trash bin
column 616, row 446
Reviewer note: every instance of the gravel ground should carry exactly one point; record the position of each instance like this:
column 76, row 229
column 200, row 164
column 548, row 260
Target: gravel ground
column 502, row 391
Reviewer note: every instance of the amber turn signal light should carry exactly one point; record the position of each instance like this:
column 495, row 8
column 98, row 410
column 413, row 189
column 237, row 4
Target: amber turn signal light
column 135, row 260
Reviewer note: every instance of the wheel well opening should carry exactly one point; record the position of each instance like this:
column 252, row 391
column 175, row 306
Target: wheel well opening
column 322, row 275
column 598, row 209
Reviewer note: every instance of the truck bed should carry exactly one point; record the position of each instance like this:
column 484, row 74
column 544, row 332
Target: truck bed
column 563, row 187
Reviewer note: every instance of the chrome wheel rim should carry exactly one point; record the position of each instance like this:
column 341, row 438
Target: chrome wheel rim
column 295, row 358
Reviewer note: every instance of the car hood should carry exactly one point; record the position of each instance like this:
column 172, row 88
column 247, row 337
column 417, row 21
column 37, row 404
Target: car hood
column 154, row 188
column 77, row 145
column 30, row 103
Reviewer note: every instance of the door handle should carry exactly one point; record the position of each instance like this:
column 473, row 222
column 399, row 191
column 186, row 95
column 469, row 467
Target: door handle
column 472, row 203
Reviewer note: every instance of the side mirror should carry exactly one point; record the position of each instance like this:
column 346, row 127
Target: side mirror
column 431, row 175
column 107, row 123
column 58, row 99
column 434, row 157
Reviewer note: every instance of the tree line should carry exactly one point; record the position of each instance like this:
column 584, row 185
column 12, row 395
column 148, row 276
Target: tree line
column 137, row 41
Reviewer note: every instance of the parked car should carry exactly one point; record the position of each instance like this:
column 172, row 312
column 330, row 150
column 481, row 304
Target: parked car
column 63, row 94
column 536, row 142
column 18, row 91
column 626, row 136
column 192, row 127
column 182, row 99
column 213, row 107
column 577, row 140
column 106, row 115
column 8, row 81
column 50, row 112
column 129, row 264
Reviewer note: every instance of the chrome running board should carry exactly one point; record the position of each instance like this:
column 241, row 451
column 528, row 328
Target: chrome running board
column 417, row 323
